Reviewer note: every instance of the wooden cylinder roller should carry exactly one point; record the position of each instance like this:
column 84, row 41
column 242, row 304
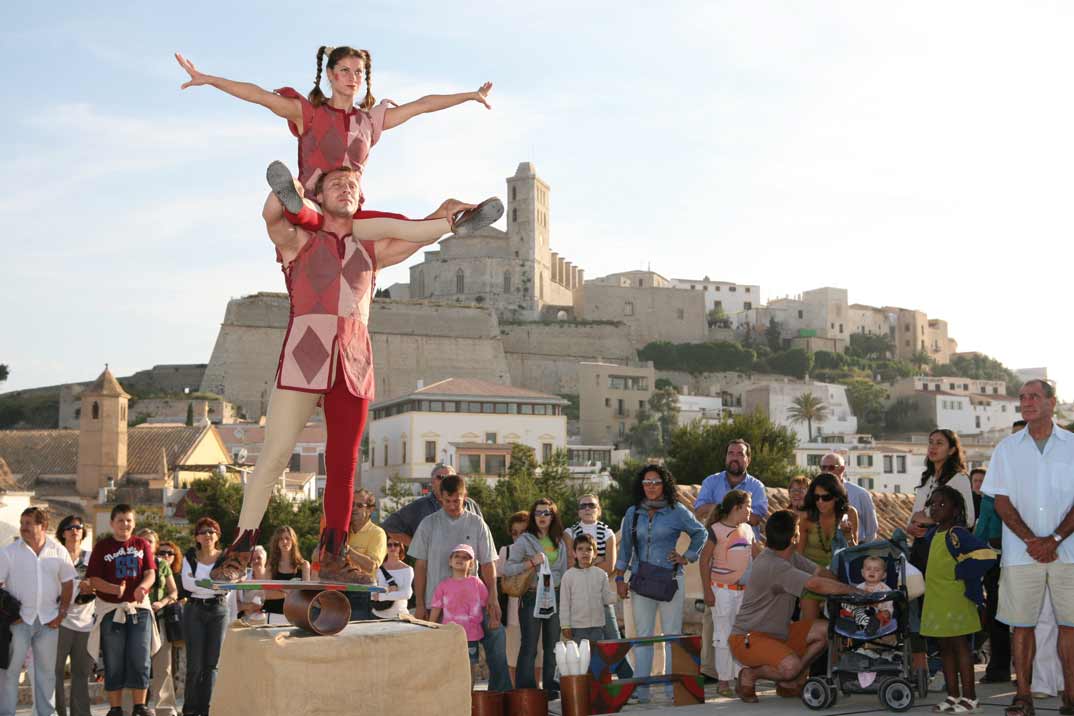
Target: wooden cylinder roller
column 323, row 612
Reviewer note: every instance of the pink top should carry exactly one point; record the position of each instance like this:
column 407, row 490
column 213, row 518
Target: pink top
column 332, row 138
column 463, row 603
column 733, row 553
column 330, row 284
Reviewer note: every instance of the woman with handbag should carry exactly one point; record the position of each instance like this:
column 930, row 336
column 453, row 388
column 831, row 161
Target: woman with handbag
column 164, row 598
column 648, row 536
column 516, row 525
column 545, row 549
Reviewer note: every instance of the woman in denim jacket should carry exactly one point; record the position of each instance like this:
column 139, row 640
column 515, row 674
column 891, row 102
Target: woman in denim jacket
column 544, row 540
column 660, row 521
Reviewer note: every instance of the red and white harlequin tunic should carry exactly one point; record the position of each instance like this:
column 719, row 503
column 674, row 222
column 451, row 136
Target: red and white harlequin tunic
column 332, row 138
column 330, row 284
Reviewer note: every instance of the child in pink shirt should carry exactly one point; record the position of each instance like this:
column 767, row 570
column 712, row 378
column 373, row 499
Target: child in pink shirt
column 461, row 598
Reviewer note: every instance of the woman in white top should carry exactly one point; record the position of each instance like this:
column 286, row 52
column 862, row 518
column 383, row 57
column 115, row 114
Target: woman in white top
column 399, row 582
column 945, row 464
column 76, row 626
column 205, row 617
column 516, row 525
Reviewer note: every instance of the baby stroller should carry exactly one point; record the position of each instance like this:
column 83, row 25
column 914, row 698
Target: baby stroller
column 872, row 658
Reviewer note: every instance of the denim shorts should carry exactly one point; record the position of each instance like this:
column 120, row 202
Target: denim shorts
column 126, row 650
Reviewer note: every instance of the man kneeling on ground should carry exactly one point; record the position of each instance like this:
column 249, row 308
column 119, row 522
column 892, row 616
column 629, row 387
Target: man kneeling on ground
column 764, row 639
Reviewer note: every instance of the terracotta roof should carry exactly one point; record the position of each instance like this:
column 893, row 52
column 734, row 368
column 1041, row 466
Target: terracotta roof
column 32, row 453
column 892, row 510
column 476, row 388
column 106, row 384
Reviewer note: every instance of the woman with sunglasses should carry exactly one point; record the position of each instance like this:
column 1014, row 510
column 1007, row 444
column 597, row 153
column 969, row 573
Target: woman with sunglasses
column 205, row 618
column 589, row 523
column 367, row 548
column 77, row 625
column 163, row 592
column 544, row 542
column 397, row 577
column 830, row 523
column 650, row 533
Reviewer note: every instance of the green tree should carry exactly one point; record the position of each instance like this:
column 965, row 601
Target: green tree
column 873, row 347
column 773, row 335
column 3, row 372
column 645, row 437
column 904, row 416
column 664, row 404
column 980, row 367
column 698, row 450
column 920, row 359
column 794, row 362
column 807, row 408
column 827, row 360
column 867, row 401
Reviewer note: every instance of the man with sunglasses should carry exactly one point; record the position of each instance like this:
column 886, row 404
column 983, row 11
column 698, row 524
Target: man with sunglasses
column 367, row 548
column 403, row 523
column 858, row 496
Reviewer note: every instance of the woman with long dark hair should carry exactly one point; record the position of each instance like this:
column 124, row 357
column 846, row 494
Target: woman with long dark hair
column 945, row 464
column 205, row 617
column 829, row 523
column 76, row 626
column 649, row 536
column 544, row 541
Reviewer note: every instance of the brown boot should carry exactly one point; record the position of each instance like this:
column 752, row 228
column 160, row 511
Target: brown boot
column 337, row 568
column 236, row 559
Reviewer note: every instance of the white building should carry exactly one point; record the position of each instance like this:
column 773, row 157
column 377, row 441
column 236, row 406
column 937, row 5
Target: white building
column 966, row 405
column 729, row 297
column 465, row 422
column 880, row 467
column 707, row 409
column 775, row 400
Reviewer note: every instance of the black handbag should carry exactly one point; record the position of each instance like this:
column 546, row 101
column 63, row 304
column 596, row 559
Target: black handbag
column 651, row 580
column 170, row 620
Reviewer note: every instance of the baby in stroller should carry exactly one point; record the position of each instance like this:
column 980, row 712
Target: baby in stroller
column 875, row 620
column 869, row 634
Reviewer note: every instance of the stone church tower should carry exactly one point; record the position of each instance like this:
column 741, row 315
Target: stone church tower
column 102, row 436
column 515, row 272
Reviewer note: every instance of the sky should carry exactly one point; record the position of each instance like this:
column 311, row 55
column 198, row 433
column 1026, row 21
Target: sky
column 917, row 154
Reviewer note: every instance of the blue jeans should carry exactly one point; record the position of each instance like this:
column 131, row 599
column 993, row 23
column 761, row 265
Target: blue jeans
column 530, row 626
column 611, row 631
column 495, row 645
column 593, row 634
column 645, row 611
column 204, row 624
column 126, row 650
column 43, row 641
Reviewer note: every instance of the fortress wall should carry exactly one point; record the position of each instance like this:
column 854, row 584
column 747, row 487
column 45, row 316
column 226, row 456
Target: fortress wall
column 411, row 341
column 544, row 356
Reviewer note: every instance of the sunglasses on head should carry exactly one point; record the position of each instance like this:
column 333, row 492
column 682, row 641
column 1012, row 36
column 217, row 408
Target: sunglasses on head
column 542, row 513
column 824, row 498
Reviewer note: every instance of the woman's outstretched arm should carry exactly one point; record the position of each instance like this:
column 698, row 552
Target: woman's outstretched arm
column 289, row 109
column 395, row 116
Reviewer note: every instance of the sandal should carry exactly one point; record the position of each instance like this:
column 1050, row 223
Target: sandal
column 727, row 692
column 947, row 706
column 968, row 706
column 1021, row 706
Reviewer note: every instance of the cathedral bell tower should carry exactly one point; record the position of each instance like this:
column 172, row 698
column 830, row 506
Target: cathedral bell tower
column 527, row 233
column 102, row 436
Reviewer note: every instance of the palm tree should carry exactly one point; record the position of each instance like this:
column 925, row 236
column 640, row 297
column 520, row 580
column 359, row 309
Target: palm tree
column 805, row 409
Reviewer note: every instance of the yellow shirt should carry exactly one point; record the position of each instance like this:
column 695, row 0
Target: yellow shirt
column 371, row 541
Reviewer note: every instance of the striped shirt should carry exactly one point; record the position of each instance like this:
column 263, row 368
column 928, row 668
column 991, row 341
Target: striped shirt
column 598, row 531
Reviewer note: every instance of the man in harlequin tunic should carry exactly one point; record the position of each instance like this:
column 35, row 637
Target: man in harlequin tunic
column 326, row 358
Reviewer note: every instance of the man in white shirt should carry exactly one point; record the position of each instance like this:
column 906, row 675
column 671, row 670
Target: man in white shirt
column 36, row 570
column 1031, row 476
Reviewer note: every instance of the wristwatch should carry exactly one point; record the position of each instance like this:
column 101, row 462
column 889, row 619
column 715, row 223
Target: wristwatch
column 1057, row 537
